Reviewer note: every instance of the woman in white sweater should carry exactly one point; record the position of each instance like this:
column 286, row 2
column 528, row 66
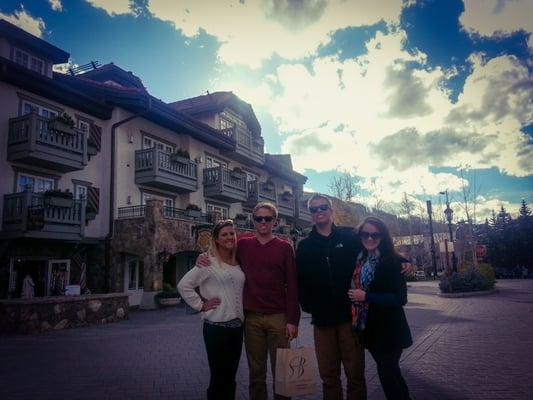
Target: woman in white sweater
column 220, row 300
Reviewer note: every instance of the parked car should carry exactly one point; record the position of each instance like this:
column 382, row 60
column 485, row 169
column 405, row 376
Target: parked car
column 420, row 275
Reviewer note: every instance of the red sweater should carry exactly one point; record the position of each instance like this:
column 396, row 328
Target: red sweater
column 271, row 283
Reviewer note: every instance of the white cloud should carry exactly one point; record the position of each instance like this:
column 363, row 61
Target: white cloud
column 112, row 7
column 252, row 31
column 56, row 5
column 26, row 21
column 491, row 17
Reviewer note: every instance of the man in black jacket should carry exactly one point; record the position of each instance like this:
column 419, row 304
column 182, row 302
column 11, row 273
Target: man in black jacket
column 325, row 261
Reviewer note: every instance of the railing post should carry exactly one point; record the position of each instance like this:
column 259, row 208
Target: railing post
column 32, row 131
column 26, row 202
column 84, row 139
column 221, row 177
column 83, row 204
column 155, row 160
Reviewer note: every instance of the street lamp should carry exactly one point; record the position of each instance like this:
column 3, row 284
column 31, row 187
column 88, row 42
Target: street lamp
column 448, row 212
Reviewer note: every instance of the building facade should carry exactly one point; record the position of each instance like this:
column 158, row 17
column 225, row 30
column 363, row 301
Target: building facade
column 106, row 186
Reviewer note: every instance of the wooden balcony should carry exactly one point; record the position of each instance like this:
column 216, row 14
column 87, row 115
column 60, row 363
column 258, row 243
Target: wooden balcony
column 223, row 184
column 304, row 215
column 31, row 141
column 286, row 205
column 246, row 147
column 257, row 192
column 34, row 215
column 157, row 169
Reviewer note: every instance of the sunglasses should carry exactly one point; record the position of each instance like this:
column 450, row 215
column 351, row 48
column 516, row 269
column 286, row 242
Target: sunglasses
column 265, row 219
column 321, row 207
column 368, row 235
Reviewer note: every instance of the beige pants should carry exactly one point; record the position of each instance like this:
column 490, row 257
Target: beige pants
column 263, row 335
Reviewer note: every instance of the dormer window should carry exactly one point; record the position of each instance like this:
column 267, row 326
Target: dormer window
column 29, row 61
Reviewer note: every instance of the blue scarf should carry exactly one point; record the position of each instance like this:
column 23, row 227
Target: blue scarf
column 365, row 271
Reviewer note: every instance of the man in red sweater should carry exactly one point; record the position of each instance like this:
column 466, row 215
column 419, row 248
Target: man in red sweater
column 270, row 296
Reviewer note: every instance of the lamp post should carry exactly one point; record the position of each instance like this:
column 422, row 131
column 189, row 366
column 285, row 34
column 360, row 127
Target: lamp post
column 448, row 212
column 432, row 240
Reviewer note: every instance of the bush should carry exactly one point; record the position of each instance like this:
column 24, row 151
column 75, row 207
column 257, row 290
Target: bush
column 410, row 278
column 168, row 292
column 470, row 280
column 488, row 272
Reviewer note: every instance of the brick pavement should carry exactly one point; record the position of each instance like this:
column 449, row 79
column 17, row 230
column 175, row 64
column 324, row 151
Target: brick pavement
column 467, row 348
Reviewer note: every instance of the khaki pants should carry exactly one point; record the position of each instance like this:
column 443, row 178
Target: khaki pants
column 335, row 345
column 263, row 335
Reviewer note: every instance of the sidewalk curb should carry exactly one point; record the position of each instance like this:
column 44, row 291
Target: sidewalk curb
column 469, row 294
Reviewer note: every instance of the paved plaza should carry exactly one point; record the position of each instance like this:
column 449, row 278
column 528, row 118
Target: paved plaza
column 464, row 348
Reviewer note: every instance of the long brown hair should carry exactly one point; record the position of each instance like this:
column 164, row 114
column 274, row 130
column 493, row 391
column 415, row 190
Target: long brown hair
column 386, row 246
column 213, row 245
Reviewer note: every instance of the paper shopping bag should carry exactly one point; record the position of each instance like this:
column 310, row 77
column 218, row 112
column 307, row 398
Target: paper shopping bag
column 295, row 372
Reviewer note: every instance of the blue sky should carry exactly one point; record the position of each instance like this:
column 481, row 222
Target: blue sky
column 403, row 94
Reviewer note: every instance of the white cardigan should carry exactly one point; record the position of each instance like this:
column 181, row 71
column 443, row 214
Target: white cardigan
column 220, row 280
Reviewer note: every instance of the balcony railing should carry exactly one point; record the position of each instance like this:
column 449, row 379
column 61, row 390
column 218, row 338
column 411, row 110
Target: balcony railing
column 34, row 215
column 223, row 184
column 157, row 168
column 131, row 212
column 31, row 141
column 286, row 205
column 257, row 192
column 246, row 147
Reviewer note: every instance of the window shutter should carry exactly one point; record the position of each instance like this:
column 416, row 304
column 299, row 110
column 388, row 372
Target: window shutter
column 95, row 136
column 93, row 199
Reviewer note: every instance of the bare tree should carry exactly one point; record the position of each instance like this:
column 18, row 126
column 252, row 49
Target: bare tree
column 407, row 207
column 470, row 193
column 377, row 196
column 344, row 186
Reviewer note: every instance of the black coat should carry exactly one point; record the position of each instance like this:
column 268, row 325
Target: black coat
column 387, row 325
column 325, row 268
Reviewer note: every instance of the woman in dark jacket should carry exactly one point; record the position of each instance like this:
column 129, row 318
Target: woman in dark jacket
column 378, row 294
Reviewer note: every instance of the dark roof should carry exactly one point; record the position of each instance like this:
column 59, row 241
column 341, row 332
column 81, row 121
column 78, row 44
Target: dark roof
column 110, row 72
column 29, row 41
column 281, row 165
column 217, row 102
column 53, row 89
column 135, row 100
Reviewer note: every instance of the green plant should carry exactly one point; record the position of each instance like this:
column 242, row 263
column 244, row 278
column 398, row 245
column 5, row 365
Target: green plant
column 182, row 153
column 65, row 119
column 67, row 194
column 194, row 207
column 168, row 292
column 470, row 280
column 410, row 278
column 488, row 272
column 241, row 216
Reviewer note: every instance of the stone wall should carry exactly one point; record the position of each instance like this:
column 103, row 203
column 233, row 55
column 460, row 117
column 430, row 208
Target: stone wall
column 54, row 313
column 146, row 237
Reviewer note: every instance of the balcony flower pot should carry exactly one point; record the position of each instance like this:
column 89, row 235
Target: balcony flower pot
column 57, row 198
column 193, row 210
column 180, row 156
column 237, row 173
column 63, row 123
column 268, row 187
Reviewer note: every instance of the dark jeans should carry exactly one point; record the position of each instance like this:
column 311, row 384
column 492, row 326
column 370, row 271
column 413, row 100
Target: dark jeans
column 224, row 347
column 390, row 375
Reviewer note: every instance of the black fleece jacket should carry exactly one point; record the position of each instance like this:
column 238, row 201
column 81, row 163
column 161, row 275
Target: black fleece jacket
column 325, row 267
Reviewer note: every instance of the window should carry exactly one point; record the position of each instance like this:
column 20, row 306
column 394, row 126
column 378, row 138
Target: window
column 133, row 274
column 80, row 192
column 149, row 143
column 222, row 211
column 225, row 124
column 28, row 107
column 83, row 126
column 251, row 177
column 29, row 61
column 211, row 162
column 168, row 202
column 37, row 183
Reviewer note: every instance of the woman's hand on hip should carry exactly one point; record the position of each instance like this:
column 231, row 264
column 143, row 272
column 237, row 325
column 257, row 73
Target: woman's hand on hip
column 211, row 304
column 357, row 295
